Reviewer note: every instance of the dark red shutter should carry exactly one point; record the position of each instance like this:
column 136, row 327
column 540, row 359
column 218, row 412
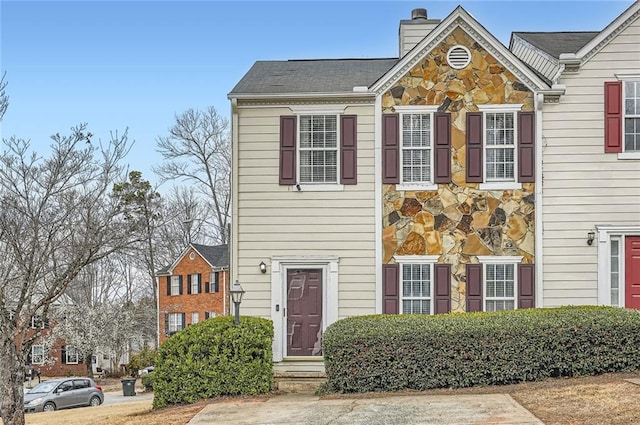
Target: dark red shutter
column 474, row 287
column 288, row 149
column 168, row 285
column 390, row 288
column 180, row 285
column 526, row 147
column 390, row 149
column 199, row 283
column 475, row 160
column 348, row 150
column 442, row 298
column 526, row 286
column 188, row 284
column 442, row 154
column 613, row 116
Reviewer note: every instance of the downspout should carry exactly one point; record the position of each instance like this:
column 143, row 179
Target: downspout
column 377, row 159
column 233, row 258
column 539, row 254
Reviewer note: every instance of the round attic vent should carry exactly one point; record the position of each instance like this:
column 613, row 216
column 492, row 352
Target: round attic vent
column 192, row 256
column 458, row 57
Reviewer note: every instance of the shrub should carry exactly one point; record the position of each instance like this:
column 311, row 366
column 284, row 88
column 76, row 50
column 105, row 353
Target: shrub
column 214, row 358
column 146, row 357
column 147, row 381
column 393, row 352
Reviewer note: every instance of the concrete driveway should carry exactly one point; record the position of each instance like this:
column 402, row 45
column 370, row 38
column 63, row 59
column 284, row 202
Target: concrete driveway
column 114, row 397
column 303, row 409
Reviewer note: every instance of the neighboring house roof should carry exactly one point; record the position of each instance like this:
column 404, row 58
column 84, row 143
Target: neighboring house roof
column 216, row 255
column 554, row 43
column 311, row 76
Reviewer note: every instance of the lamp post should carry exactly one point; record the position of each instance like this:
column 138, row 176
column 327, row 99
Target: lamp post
column 236, row 296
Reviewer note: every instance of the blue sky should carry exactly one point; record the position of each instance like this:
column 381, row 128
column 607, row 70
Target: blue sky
column 119, row 64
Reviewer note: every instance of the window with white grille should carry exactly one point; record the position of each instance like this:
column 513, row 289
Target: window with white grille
column 500, row 287
column 416, row 288
column 318, row 161
column 631, row 116
column 500, row 146
column 416, row 148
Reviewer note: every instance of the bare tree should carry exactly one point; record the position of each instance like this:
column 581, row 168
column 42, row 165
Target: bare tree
column 198, row 150
column 57, row 216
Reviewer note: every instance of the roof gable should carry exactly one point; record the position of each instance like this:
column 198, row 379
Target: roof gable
column 625, row 19
column 217, row 256
column 460, row 18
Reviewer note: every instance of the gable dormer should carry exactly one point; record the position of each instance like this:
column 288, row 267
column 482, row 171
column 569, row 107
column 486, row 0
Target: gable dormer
column 413, row 30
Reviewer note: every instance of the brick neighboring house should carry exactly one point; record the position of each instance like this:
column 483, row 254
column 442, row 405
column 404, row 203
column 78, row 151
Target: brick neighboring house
column 194, row 288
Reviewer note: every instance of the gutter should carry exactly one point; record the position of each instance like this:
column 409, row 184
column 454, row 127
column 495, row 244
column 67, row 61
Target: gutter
column 357, row 92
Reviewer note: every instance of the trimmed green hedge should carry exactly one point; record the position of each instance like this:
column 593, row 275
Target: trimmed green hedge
column 214, row 358
column 394, row 352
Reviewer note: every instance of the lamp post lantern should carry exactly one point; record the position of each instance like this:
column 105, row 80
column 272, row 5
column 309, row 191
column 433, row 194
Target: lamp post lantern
column 236, row 296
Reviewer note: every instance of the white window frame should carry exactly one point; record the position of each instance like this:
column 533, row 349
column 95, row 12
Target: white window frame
column 618, row 269
column 487, row 260
column 37, row 322
column 631, row 153
column 195, row 318
column 511, row 184
column 173, row 325
column 301, row 110
column 195, row 281
column 70, row 353
column 175, row 284
column 606, row 233
column 626, row 78
column 417, row 110
column 41, row 354
column 409, row 260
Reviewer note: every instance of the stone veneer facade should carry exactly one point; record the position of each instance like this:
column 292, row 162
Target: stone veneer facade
column 458, row 221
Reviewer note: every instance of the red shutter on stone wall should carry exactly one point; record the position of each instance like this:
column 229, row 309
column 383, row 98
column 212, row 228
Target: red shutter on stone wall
column 390, row 288
column 526, row 147
column 348, row 150
column 442, row 296
column 390, row 149
column 474, row 163
column 526, row 286
column 613, row 116
column 288, row 150
column 442, row 154
column 474, row 287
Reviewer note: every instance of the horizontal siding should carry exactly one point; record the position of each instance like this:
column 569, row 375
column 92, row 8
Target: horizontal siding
column 276, row 220
column 583, row 186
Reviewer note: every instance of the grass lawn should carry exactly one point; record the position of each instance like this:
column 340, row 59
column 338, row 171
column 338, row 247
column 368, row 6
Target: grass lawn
column 593, row 400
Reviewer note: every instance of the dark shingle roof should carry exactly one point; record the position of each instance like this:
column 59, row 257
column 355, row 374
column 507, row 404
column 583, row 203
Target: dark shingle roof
column 217, row 256
column 555, row 43
column 311, row 76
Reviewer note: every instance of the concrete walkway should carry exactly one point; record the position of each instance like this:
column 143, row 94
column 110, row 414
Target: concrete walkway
column 307, row 409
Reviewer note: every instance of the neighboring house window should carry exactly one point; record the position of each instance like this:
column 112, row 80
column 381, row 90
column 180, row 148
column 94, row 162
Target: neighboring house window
column 175, row 285
column 69, row 355
column 194, row 318
column 209, row 315
column 416, row 285
column 632, row 116
column 318, row 149
column 214, row 285
column 500, row 146
column 37, row 354
column 500, row 283
column 416, row 289
column 416, row 150
column 36, row 322
column 174, row 322
column 194, row 283
column 615, row 271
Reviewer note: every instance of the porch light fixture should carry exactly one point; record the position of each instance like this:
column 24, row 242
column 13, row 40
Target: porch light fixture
column 590, row 237
column 236, row 296
column 263, row 267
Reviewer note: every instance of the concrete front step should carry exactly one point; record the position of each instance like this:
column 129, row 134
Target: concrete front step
column 299, row 385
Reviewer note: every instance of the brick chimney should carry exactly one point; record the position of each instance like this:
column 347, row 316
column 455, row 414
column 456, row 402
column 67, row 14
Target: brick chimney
column 413, row 30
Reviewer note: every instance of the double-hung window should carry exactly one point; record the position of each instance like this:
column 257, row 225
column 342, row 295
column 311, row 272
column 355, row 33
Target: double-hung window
column 195, row 318
column 500, row 146
column 195, row 283
column 631, row 116
column 318, row 149
column 416, row 148
column 37, row 354
column 416, row 284
column 175, row 285
column 175, row 322
column 71, row 355
column 500, row 282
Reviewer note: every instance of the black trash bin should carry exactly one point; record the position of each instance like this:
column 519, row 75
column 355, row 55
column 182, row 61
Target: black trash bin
column 128, row 386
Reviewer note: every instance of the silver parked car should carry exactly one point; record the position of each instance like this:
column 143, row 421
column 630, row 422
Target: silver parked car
column 62, row 393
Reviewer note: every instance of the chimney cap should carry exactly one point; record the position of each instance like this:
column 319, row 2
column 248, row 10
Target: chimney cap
column 419, row 13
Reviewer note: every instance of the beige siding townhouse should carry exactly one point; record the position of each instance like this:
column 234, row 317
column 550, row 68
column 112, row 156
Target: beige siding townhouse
column 403, row 185
column 591, row 161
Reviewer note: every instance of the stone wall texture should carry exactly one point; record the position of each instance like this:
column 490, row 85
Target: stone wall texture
column 458, row 221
